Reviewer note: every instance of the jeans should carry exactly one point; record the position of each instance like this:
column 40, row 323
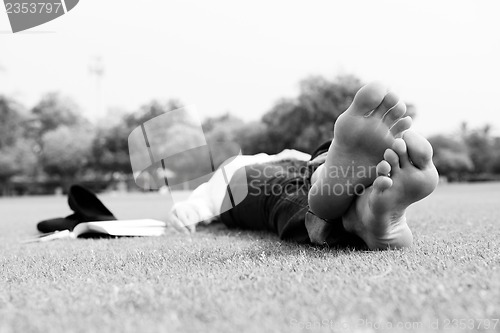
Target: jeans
column 277, row 201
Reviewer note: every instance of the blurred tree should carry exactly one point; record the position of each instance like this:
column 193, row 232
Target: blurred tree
column 226, row 135
column 8, row 164
column 16, row 159
column 50, row 113
column 254, row 138
column 479, row 144
column 495, row 162
column 110, row 147
column 16, row 152
column 53, row 111
column 109, row 151
column 451, row 157
column 11, row 121
column 189, row 163
column 301, row 123
column 149, row 111
column 66, row 152
column 305, row 122
column 222, row 128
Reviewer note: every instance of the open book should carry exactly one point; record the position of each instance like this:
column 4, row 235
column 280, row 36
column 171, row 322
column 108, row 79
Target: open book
column 116, row 228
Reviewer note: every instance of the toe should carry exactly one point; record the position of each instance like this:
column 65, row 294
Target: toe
column 399, row 147
column 382, row 183
column 400, row 126
column 393, row 159
column 419, row 149
column 368, row 98
column 383, row 168
column 394, row 114
column 390, row 100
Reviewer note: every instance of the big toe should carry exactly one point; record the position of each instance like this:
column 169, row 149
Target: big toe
column 368, row 98
column 419, row 149
column 388, row 103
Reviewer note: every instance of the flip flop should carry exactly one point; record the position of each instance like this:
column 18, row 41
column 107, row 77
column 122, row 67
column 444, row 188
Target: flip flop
column 87, row 207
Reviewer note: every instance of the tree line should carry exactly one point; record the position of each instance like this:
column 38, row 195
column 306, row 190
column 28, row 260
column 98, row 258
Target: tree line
column 469, row 154
column 51, row 145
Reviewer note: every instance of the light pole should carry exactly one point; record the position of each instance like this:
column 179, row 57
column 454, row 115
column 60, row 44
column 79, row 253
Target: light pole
column 96, row 69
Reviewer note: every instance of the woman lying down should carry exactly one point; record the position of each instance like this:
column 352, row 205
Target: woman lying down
column 351, row 192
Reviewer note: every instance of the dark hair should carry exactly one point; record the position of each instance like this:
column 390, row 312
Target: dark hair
column 323, row 148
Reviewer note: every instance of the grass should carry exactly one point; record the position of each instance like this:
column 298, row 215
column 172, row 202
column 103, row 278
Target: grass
column 230, row 280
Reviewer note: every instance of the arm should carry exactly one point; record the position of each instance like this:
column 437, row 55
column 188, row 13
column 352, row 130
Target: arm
column 201, row 206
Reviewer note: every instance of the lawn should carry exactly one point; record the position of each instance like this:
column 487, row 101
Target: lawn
column 229, row 280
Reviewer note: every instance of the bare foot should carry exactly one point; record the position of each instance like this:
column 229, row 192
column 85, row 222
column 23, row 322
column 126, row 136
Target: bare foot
column 407, row 175
column 362, row 134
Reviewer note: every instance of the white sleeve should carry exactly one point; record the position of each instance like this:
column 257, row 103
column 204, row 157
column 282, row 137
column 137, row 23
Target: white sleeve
column 200, row 200
column 206, row 200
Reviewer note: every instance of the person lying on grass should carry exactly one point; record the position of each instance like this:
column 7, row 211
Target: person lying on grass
column 353, row 192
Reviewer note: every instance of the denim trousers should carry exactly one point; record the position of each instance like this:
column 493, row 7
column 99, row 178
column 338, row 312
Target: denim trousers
column 277, row 202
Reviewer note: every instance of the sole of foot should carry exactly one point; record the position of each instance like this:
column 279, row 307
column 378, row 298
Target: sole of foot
column 362, row 133
column 406, row 175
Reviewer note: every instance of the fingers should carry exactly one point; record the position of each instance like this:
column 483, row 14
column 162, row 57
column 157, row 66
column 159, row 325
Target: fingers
column 188, row 215
column 174, row 222
column 184, row 219
column 191, row 227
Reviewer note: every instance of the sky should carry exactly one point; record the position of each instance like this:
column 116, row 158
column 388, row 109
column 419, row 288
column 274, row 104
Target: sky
column 242, row 56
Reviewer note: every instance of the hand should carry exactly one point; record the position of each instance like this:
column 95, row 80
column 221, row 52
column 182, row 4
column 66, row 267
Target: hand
column 184, row 217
